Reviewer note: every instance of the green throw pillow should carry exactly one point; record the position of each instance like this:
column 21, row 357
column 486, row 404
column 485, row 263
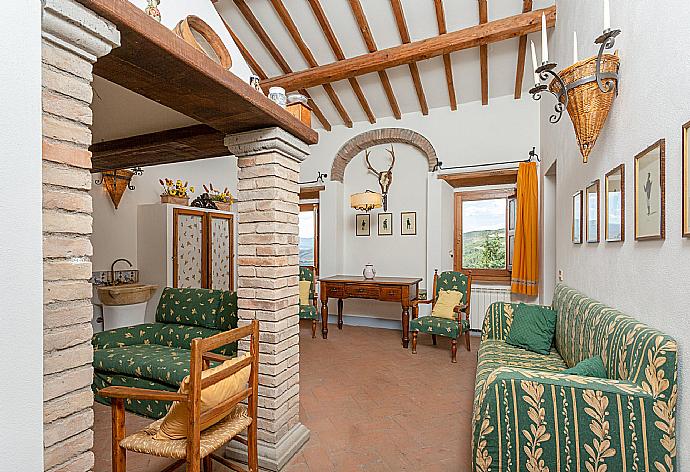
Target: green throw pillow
column 592, row 367
column 533, row 328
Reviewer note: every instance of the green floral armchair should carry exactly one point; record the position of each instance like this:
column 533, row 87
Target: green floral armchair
column 156, row 355
column 309, row 311
column 437, row 326
column 530, row 416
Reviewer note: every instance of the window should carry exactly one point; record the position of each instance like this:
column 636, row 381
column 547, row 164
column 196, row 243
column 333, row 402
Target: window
column 309, row 235
column 484, row 228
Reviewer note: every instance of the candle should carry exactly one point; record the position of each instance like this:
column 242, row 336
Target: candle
column 534, row 64
column 574, row 47
column 607, row 15
column 544, row 41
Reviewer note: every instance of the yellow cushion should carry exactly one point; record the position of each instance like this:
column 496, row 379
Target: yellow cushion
column 304, row 288
column 447, row 300
column 175, row 424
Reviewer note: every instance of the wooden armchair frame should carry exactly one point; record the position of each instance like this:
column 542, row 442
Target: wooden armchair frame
column 199, row 360
column 463, row 308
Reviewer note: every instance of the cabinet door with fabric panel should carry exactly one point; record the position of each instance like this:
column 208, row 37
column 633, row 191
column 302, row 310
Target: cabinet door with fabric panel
column 220, row 251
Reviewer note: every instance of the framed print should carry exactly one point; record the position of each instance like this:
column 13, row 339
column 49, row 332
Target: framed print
column 362, row 222
column 576, row 231
column 686, row 180
column 408, row 223
column 614, row 204
column 650, row 192
column 592, row 212
column 385, row 224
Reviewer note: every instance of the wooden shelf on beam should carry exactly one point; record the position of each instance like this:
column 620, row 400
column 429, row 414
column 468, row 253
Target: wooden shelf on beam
column 481, row 178
column 154, row 62
column 164, row 147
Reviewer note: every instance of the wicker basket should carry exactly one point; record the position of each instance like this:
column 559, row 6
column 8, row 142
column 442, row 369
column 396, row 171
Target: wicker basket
column 588, row 106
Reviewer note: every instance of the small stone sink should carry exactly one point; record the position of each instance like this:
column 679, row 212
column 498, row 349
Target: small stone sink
column 125, row 294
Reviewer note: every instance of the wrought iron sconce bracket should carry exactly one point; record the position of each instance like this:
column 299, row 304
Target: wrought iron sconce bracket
column 544, row 71
column 604, row 80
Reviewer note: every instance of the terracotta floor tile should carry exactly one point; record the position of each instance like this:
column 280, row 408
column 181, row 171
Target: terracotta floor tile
column 370, row 406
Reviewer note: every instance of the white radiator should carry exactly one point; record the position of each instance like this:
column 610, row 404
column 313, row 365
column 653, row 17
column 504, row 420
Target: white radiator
column 480, row 300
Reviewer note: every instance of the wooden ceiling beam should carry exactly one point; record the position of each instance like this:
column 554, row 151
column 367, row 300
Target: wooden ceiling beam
column 399, row 14
column 484, row 54
column 256, row 68
column 278, row 57
column 363, row 24
column 339, row 55
column 290, row 25
column 522, row 53
column 447, row 63
column 481, row 178
column 378, row 61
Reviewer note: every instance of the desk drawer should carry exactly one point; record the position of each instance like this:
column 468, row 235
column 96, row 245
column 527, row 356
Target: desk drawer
column 362, row 291
column 335, row 290
column 391, row 294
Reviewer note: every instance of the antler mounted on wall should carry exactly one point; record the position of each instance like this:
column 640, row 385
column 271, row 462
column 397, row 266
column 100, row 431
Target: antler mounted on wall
column 385, row 178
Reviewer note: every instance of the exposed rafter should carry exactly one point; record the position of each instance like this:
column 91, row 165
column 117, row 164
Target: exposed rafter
column 484, row 54
column 309, row 57
column 277, row 56
column 414, row 70
column 447, row 63
column 363, row 24
column 522, row 52
column 339, row 55
column 378, row 61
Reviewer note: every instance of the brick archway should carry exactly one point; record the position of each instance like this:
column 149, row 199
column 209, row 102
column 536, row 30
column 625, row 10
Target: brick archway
column 380, row 136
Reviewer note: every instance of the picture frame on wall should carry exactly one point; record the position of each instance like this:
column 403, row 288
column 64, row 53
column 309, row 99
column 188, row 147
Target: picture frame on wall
column 650, row 192
column 408, row 223
column 592, row 212
column 576, row 229
column 385, row 224
column 614, row 204
column 363, row 224
column 686, row 179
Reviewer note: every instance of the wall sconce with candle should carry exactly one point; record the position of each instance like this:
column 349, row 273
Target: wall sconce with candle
column 586, row 88
column 117, row 181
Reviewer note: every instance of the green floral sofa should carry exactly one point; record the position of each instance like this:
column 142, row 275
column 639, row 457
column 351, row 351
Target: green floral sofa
column 530, row 417
column 156, row 355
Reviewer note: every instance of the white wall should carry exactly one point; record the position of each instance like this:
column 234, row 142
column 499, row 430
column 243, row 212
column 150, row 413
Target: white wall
column 21, row 284
column 647, row 280
column 505, row 130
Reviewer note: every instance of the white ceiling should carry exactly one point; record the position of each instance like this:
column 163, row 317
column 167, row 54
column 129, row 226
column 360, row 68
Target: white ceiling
column 421, row 22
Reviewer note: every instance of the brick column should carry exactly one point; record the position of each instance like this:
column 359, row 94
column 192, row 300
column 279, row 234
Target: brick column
column 73, row 38
column 268, row 276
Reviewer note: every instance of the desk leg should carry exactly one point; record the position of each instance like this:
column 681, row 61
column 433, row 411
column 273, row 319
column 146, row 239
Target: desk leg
column 405, row 325
column 324, row 317
column 340, row 313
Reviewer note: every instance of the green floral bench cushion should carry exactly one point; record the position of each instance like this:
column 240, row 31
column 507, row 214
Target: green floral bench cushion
column 440, row 326
column 190, row 306
column 180, row 336
column 308, row 312
column 150, row 409
column 227, row 311
column 139, row 334
column 147, row 361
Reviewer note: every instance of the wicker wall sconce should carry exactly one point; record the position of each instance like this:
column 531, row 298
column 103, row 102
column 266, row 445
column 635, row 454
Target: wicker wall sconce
column 116, row 182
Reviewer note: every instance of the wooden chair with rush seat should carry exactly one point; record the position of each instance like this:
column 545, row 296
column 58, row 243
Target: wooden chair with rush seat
column 209, row 414
column 307, row 300
column 450, row 303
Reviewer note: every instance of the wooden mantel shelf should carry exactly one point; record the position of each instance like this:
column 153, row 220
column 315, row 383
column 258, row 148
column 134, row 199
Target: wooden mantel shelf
column 154, row 62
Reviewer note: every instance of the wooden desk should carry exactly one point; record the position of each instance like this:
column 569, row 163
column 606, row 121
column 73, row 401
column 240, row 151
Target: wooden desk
column 386, row 289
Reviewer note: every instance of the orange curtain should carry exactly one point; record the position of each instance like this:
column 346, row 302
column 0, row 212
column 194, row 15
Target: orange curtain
column 525, row 276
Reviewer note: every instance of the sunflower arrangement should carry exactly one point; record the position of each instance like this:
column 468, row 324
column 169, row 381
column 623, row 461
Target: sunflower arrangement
column 217, row 196
column 175, row 188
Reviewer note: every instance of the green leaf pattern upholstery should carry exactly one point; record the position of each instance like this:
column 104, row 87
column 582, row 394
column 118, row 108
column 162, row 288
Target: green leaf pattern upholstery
column 457, row 282
column 156, row 355
column 308, row 312
column 528, row 415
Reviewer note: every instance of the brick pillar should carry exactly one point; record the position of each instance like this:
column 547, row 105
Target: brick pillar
column 268, row 276
column 73, row 38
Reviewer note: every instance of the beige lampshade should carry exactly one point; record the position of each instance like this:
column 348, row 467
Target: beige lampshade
column 366, row 201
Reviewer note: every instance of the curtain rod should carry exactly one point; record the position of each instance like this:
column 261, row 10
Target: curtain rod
column 532, row 156
column 319, row 179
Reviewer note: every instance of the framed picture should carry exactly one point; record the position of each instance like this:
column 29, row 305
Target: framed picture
column 408, row 223
column 576, row 231
column 686, row 180
column 592, row 212
column 650, row 190
column 385, row 224
column 614, row 204
column 362, row 222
